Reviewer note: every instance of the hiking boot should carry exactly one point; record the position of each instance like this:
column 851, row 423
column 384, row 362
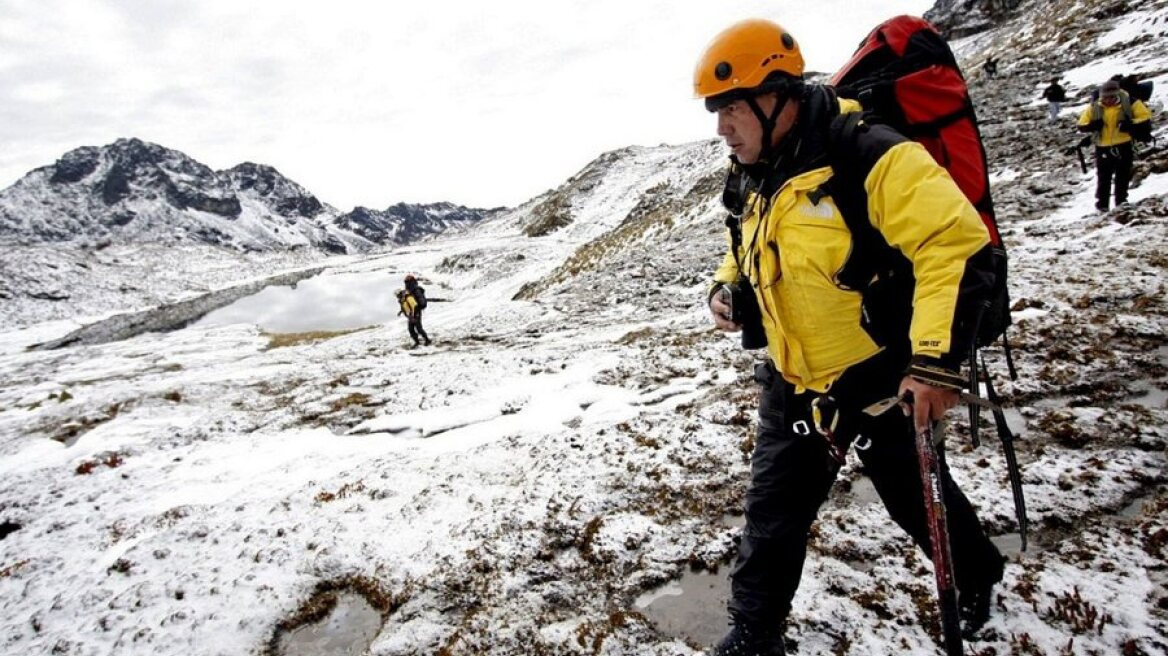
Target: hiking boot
column 747, row 640
column 1102, row 207
column 427, row 342
column 974, row 608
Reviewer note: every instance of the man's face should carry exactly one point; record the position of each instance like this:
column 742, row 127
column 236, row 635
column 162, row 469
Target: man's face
column 1110, row 100
column 742, row 131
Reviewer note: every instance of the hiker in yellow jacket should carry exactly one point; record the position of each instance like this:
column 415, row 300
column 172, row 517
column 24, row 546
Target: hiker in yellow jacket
column 1114, row 119
column 823, row 349
column 409, row 307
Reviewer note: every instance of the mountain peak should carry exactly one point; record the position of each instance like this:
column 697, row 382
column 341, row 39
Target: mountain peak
column 133, row 190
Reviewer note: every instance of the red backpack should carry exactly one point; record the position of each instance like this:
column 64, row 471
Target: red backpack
column 904, row 75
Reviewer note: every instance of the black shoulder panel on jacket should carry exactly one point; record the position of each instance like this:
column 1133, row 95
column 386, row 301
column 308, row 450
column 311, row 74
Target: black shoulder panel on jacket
column 855, row 146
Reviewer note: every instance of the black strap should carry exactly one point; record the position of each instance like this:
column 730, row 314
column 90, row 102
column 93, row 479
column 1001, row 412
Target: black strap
column 1007, row 438
column 846, row 187
column 1009, row 355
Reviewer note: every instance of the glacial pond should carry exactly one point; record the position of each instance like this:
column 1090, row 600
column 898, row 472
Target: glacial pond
column 329, row 301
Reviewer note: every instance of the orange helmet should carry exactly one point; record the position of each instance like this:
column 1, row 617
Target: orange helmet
column 410, row 278
column 748, row 58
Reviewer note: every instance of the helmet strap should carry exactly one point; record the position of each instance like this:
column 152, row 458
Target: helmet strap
column 768, row 122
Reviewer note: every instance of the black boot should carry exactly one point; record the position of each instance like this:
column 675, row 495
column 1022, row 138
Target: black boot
column 974, row 608
column 747, row 640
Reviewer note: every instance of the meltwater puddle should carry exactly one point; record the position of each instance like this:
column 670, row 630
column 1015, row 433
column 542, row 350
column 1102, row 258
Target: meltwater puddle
column 694, row 606
column 348, row 630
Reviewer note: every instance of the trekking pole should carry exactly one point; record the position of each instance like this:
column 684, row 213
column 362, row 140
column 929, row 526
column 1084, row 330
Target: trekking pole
column 1083, row 143
column 930, row 465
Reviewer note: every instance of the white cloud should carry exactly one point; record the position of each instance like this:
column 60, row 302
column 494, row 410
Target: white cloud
column 372, row 103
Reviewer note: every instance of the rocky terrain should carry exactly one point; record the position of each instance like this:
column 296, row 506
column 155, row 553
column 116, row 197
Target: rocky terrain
column 576, row 444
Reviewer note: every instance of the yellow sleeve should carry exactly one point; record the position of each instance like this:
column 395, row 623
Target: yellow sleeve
column 728, row 271
column 921, row 212
column 1085, row 117
column 1140, row 112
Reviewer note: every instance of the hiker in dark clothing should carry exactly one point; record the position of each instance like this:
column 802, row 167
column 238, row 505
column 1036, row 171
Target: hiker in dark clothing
column 419, row 295
column 1056, row 95
column 413, row 313
column 823, row 365
column 1114, row 119
column 990, row 67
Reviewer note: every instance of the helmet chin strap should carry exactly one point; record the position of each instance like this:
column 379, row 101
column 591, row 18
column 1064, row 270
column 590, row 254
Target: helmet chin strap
column 768, row 123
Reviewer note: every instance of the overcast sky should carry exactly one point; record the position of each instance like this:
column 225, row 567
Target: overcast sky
column 482, row 103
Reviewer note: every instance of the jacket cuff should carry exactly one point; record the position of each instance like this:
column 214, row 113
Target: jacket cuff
column 935, row 372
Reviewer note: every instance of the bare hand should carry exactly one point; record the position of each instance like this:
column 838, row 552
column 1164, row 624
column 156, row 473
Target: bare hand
column 929, row 402
column 720, row 310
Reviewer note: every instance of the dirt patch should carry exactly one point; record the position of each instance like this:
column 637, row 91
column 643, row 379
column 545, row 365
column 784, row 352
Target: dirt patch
column 71, row 431
column 280, row 340
column 111, row 460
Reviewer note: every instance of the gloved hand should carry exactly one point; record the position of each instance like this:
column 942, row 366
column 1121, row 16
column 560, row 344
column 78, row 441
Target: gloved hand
column 1125, row 126
column 1096, row 125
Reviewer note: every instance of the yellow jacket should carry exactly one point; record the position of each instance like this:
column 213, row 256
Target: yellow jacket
column 1111, row 135
column 792, row 249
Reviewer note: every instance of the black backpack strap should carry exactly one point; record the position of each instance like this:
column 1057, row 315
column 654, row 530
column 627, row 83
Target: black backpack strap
column 846, row 188
column 1007, row 438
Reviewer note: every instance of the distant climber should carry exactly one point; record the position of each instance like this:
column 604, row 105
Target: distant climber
column 990, row 67
column 416, row 290
column 411, row 307
column 1056, row 95
column 1113, row 120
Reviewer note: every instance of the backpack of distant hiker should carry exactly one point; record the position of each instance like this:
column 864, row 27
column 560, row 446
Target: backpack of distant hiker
column 905, row 76
column 1131, row 85
column 1135, row 89
column 419, row 294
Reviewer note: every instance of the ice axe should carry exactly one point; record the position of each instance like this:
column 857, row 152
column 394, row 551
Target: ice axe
column 937, row 518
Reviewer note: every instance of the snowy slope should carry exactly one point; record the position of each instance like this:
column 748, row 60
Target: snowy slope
column 578, row 436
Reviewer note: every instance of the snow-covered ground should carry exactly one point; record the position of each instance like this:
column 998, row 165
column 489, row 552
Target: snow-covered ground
column 526, row 479
column 576, row 439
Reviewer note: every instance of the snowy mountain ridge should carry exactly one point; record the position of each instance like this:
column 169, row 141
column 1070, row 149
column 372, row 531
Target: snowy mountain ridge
column 132, row 191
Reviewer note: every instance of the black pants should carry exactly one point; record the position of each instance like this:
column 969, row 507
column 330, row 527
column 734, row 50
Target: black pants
column 792, row 473
column 1112, row 162
column 416, row 330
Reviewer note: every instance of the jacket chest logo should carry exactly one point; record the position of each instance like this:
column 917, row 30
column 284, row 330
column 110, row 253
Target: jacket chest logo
column 821, row 210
